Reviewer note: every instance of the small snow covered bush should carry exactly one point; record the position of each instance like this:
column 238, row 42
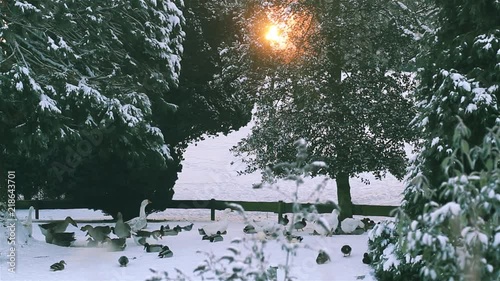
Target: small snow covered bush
column 457, row 236
column 388, row 259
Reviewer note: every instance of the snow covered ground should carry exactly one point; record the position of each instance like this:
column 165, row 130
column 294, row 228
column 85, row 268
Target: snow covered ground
column 208, row 173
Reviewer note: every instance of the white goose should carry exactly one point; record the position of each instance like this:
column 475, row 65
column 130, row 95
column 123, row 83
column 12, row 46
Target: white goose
column 28, row 223
column 327, row 224
column 139, row 222
column 218, row 226
column 348, row 225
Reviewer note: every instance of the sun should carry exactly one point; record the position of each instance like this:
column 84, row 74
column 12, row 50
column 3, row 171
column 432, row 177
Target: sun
column 276, row 37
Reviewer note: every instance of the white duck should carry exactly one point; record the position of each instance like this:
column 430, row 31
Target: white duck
column 268, row 227
column 348, row 225
column 218, row 226
column 139, row 222
column 327, row 223
column 28, row 223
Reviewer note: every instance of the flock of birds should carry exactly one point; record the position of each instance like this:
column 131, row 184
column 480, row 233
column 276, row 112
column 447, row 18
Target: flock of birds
column 325, row 224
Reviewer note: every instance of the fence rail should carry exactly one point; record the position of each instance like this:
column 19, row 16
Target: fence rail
column 279, row 207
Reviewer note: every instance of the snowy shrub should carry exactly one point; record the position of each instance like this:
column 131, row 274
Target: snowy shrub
column 456, row 239
column 388, row 261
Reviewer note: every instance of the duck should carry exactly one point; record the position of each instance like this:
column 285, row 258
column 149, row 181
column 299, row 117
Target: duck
column 284, row 220
column 187, row 227
column 177, row 228
column 58, row 266
column 153, row 247
column 249, row 229
column 300, row 224
column 121, row 229
column 293, row 238
column 64, row 239
column 369, row 223
column 216, row 238
column 140, row 236
column 28, row 223
column 165, row 252
column 349, row 225
column 116, row 244
column 139, row 222
column 219, row 226
column 56, row 226
column 169, row 232
column 98, row 233
column 346, row 250
column 158, row 233
column 123, row 261
column 366, row 258
column 322, row 257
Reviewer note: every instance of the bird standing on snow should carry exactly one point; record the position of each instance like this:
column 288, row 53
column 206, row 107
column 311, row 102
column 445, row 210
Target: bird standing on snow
column 346, row 250
column 139, row 222
column 187, row 227
column 28, row 223
column 58, row 266
column 121, row 229
column 116, row 244
column 284, row 220
column 366, row 259
column 98, row 233
column 300, row 224
column 322, row 257
column 56, row 226
column 326, row 224
column 64, row 239
column 123, row 261
column 165, row 252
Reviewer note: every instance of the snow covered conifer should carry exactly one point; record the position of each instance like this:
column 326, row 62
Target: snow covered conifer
column 70, row 69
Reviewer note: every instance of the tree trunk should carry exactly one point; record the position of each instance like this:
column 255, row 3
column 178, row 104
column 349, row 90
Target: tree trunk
column 344, row 196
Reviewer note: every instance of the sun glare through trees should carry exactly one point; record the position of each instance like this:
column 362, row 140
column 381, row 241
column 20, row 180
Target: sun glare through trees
column 287, row 33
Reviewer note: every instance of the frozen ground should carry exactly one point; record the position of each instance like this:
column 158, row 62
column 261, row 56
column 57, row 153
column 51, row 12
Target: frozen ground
column 208, row 173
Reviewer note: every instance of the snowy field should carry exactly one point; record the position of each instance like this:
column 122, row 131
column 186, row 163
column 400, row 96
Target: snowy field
column 208, row 173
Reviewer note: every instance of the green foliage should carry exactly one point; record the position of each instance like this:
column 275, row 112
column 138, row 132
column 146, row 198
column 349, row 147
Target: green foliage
column 355, row 123
column 458, row 77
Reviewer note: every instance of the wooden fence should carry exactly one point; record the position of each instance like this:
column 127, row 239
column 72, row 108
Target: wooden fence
column 279, row 207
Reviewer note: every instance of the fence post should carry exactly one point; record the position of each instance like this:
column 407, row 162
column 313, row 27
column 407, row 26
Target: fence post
column 280, row 210
column 37, row 209
column 212, row 209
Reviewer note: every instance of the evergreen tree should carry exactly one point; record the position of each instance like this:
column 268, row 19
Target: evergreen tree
column 447, row 227
column 77, row 82
column 339, row 86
